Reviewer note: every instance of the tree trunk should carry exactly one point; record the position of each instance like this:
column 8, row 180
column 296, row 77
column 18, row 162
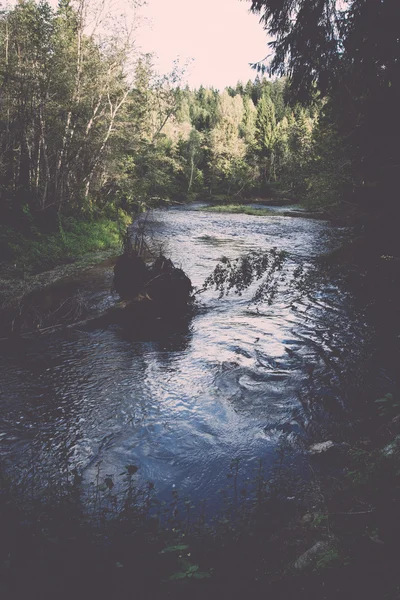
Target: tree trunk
column 191, row 172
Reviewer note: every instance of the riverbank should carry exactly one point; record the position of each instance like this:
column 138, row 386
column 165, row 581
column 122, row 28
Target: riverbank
column 31, row 249
column 46, row 300
column 35, row 261
column 40, row 280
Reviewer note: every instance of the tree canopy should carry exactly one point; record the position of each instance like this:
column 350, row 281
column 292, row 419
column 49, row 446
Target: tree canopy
column 316, row 42
column 87, row 127
column 349, row 52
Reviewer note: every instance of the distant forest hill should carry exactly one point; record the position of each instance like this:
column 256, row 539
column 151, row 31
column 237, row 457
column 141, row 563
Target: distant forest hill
column 238, row 142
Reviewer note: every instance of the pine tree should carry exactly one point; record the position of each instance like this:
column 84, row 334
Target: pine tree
column 265, row 135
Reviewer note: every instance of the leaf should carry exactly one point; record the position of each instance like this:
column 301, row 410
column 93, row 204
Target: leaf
column 201, row 575
column 193, row 569
column 176, row 548
column 178, row 575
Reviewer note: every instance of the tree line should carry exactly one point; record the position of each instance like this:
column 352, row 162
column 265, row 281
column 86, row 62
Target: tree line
column 86, row 127
column 236, row 142
column 348, row 54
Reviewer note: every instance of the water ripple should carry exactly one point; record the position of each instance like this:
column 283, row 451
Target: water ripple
column 236, row 384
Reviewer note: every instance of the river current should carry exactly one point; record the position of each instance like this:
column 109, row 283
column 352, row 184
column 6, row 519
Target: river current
column 234, row 382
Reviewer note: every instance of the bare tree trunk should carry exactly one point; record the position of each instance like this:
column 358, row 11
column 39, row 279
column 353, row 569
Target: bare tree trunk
column 45, row 158
column 113, row 113
column 68, row 130
column 37, row 175
column 191, row 171
column 95, row 115
column 7, row 40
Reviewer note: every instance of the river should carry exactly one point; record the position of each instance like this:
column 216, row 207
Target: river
column 234, row 382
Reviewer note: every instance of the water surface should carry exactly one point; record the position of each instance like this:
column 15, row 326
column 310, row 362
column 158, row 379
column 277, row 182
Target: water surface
column 234, row 381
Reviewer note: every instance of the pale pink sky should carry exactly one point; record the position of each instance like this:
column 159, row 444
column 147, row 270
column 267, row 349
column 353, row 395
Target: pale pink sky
column 220, row 35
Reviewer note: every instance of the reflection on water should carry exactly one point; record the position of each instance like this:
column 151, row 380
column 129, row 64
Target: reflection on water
column 183, row 399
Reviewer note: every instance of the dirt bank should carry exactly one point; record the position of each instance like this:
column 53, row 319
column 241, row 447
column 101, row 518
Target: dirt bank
column 36, row 302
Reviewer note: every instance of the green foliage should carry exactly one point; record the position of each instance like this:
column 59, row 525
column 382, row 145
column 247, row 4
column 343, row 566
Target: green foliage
column 209, row 143
column 327, row 52
column 62, row 95
column 265, row 125
column 39, row 251
column 328, row 559
column 79, row 138
column 319, row 520
column 388, row 405
column 189, row 571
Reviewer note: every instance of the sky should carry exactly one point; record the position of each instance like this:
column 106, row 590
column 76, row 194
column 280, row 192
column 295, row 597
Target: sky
column 221, row 37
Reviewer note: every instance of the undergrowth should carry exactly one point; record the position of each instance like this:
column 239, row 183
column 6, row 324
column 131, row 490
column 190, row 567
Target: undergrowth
column 67, row 538
column 114, row 537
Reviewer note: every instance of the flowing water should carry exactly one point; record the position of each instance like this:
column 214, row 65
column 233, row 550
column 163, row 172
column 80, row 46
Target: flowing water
column 233, row 382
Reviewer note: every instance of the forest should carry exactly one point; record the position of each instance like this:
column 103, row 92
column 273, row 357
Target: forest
column 90, row 129
column 199, row 307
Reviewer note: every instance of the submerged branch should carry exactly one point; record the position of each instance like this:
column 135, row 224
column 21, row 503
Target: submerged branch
column 237, row 275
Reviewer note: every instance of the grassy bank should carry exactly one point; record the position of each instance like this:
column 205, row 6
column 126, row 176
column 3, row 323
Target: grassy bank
column 34, row 251
column 240, row 209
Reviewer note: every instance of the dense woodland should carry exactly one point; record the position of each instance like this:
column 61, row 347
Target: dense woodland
column 81, row 133
column 88, row 127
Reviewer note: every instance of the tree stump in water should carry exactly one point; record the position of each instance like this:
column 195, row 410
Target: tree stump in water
column 164, row 288
column 168, row 287
column 130, row 275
